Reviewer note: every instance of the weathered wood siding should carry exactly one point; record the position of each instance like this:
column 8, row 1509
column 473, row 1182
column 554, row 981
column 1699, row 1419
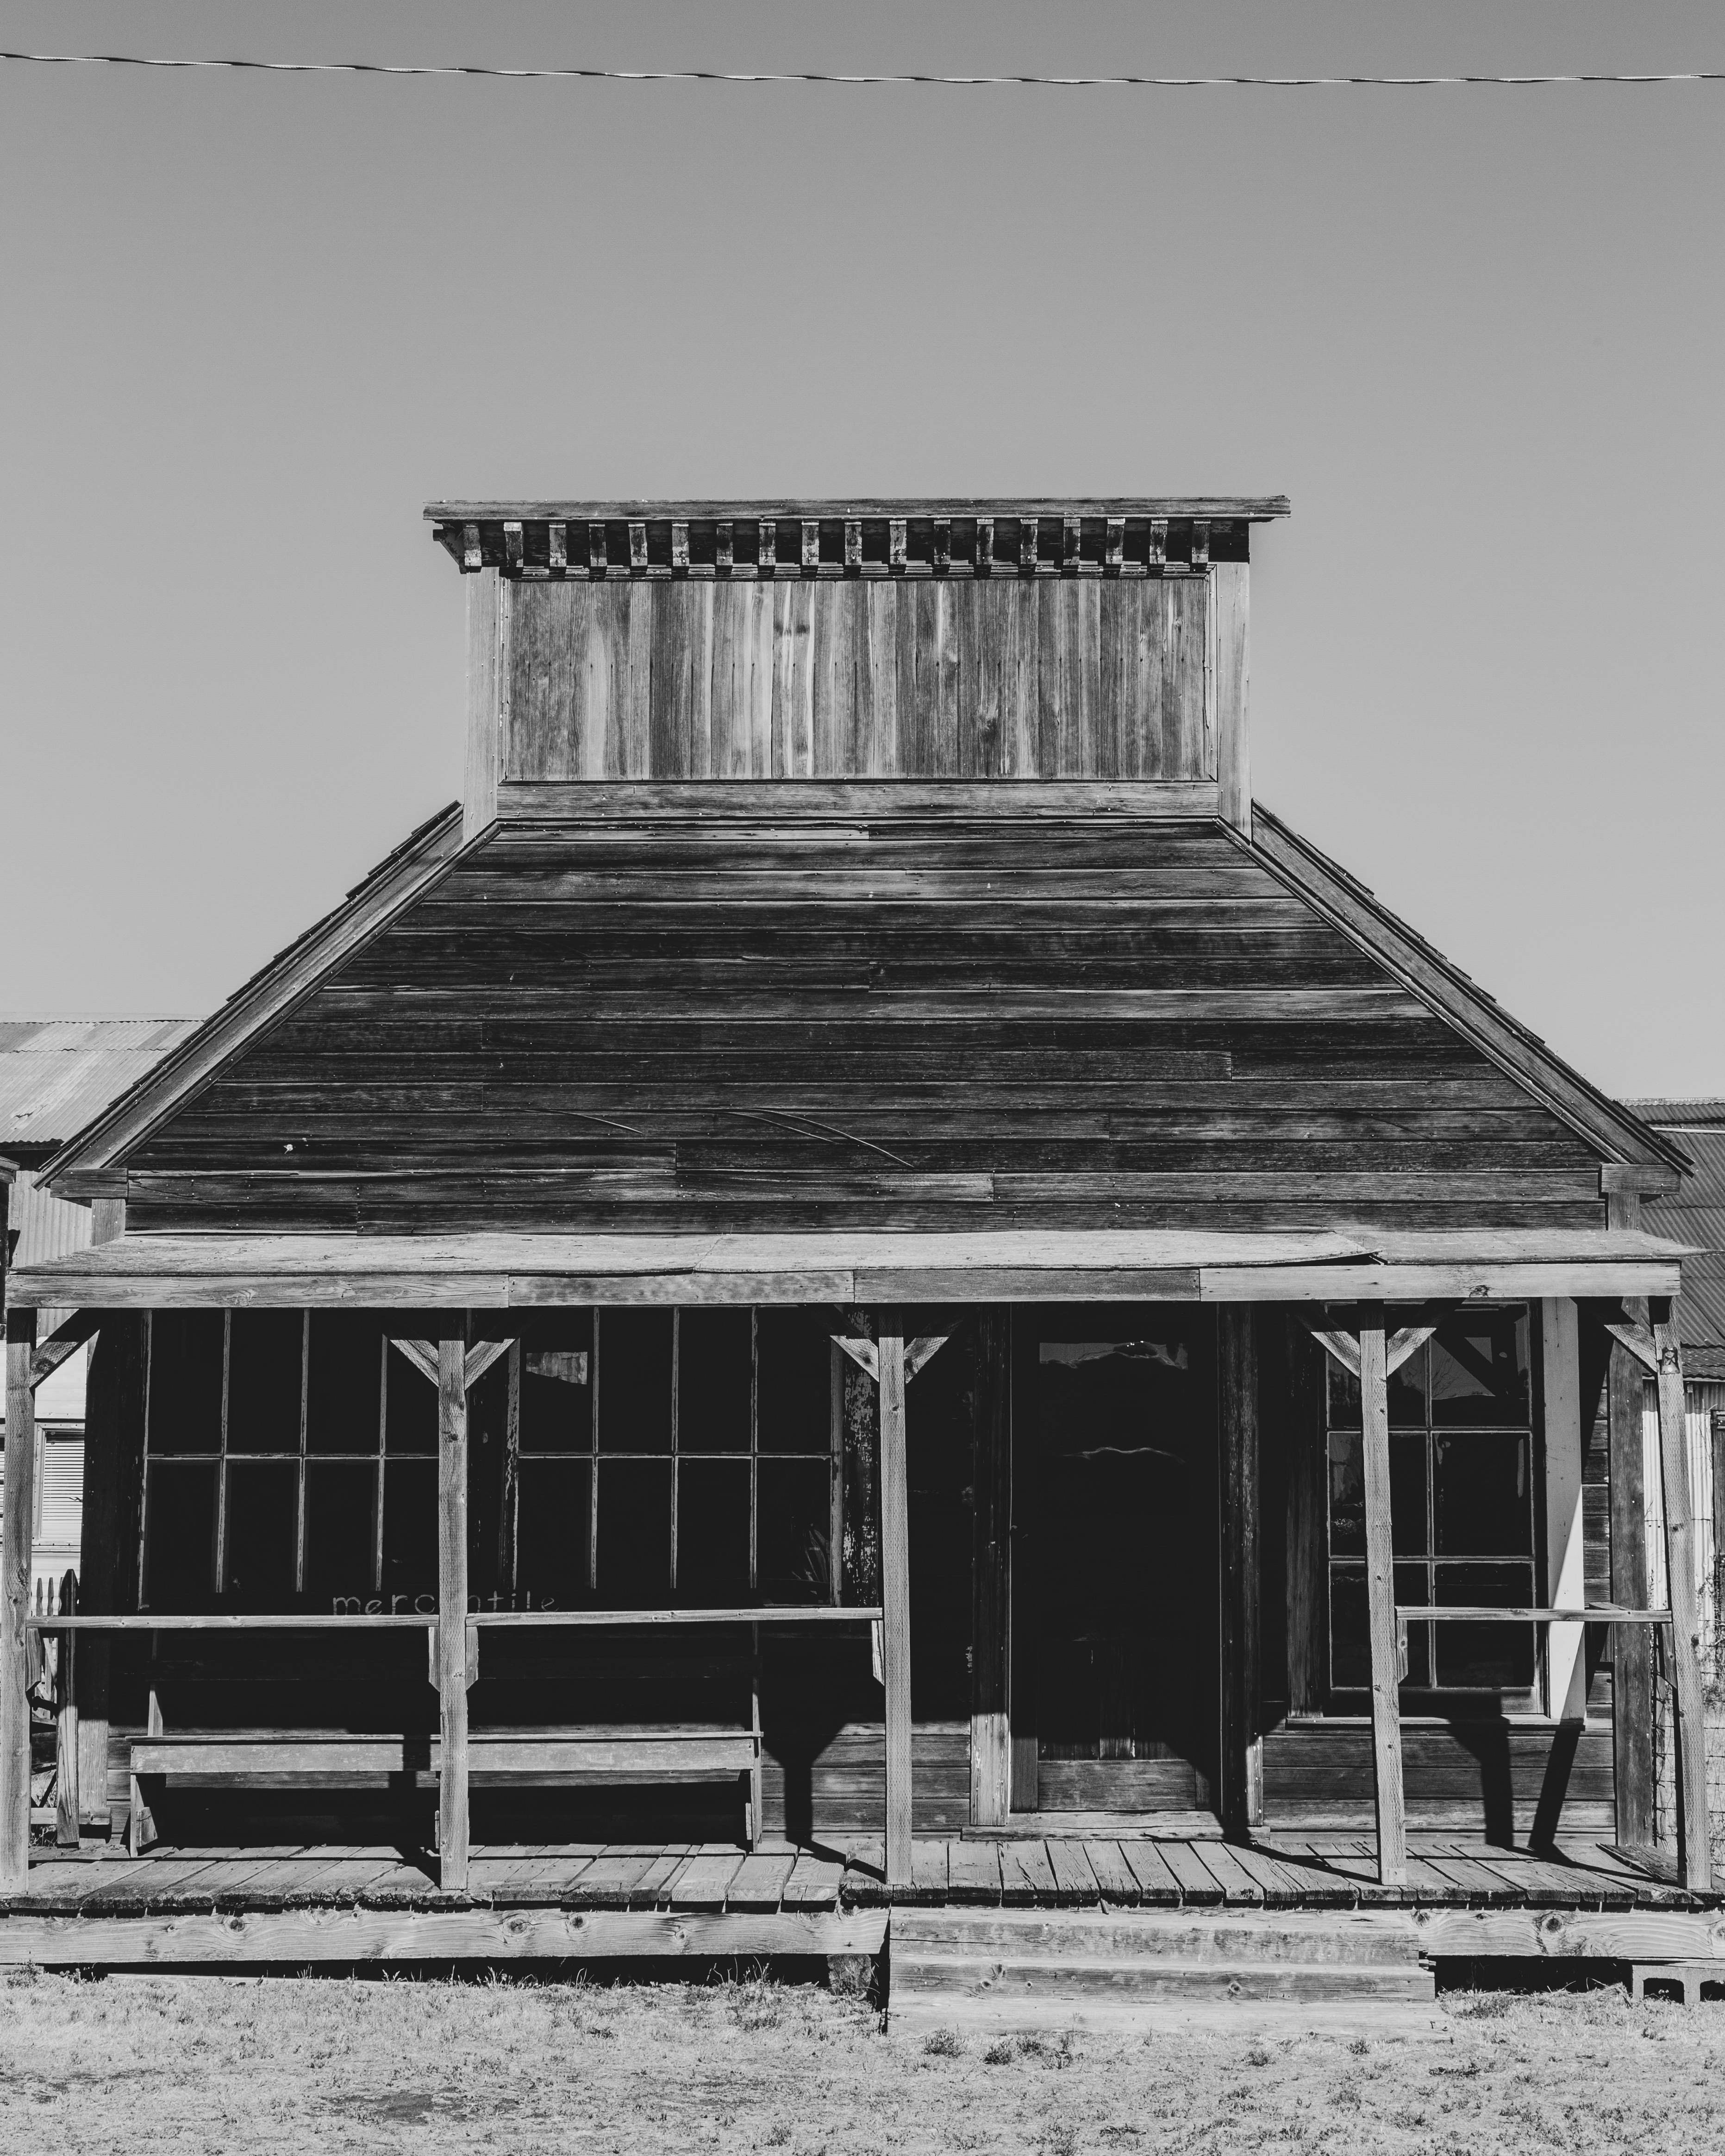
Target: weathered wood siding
column 940, row 1022
column 1500, row 1778
column 934, row 678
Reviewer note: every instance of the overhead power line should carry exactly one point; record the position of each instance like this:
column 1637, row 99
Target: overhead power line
column 872, row 81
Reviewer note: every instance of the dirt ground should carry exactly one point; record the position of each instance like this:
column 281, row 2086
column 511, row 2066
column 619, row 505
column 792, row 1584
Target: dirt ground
column 241, row 2065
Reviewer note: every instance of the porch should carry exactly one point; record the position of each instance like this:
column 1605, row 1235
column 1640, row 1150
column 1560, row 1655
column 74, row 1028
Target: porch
column 994, row 1808
column 1136, row 1930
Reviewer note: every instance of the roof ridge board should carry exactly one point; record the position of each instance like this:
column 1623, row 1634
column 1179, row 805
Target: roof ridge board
column 165, row 1077
column 1491, row 1014
column 1224, row 508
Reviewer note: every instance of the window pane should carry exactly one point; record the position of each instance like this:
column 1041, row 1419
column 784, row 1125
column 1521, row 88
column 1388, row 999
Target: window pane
column 1479, row 1371
column 552, row 1522
column 409, row 1406
column 634, row 1532
column 1350, row 1632
column 793, row 1530
column 715, row 1375
column 342, row 1405
column 556, row 1385
column 180, row 1538
column 796, row 1381
column 410, row 1533
column 1493, row 1657
column 1413, row 1585
column 1347, row 1495
column 712, row 1531
column 1407, row 1495
column 266, row 1351
column 1406, row 1390
column 185, row 1348
column 1482, row 1494
column 1350, row 1627
column 340, row 1532
column 262, row 1531
column 635, row 1386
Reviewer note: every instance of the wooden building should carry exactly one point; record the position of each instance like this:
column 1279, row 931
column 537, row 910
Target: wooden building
column 55, row 1074
column 870, row 1250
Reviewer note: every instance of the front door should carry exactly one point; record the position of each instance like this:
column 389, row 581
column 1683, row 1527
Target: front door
column 1115, row 1584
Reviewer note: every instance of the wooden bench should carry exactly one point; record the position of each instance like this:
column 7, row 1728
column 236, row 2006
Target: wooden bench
column 331, row 1759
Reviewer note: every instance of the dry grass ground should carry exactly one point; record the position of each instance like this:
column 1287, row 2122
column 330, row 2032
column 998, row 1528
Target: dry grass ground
column 240, row 2065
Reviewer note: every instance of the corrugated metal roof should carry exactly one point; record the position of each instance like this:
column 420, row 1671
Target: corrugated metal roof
column 1674, row 1114
column 57, row 1073
column 1695, row 1214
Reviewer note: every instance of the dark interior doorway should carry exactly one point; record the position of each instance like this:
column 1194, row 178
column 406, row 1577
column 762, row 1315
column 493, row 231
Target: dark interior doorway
column 1114, row 1593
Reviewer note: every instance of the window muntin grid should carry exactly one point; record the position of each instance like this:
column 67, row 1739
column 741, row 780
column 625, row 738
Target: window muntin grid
column 1462, row 1505
column 649, row 1462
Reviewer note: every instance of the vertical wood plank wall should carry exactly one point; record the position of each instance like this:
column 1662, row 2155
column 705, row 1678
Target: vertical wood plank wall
column 1078, row 678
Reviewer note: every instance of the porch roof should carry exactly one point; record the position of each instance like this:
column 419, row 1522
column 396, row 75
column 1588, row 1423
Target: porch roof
column 511, row 1270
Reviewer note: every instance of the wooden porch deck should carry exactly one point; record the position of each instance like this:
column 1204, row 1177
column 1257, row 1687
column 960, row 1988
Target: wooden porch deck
column 1278, row 1872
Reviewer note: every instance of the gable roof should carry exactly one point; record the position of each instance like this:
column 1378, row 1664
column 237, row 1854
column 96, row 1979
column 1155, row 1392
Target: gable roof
column 94, row 1162
column 1446, row 989
column 82, row 1166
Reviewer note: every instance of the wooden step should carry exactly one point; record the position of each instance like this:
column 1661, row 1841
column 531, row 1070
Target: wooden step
column 1383, row 1939
column 1139, row 1979
column 1045, row 1969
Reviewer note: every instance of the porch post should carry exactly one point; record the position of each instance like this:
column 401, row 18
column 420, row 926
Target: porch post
column 15, row 1600
column 1685, row 1625
column 68, row 1805
column 452, row 1607
column 1237, row 1406
column 1631, row 1645
column 990, row 1739
column 1566, row 1577
column 895, row 1596
column 1380, row 1592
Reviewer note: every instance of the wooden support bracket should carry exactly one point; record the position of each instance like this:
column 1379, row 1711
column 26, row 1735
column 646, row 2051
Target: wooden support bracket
column 479, row 1358
column 864, row 1352
column 1345, row 1350
column 62, row 1343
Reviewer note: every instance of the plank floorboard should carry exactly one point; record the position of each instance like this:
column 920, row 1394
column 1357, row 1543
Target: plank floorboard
column 1115, row 1880
column 1147, row 1861
column 1027, row 1877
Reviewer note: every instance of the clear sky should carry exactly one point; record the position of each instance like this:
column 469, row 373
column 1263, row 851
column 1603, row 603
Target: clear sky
column 248, row 326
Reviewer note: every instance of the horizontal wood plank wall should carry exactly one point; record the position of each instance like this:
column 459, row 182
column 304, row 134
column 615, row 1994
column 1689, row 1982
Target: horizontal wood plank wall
column 1072, row 678
column 899, row 1022
column 1492, row 1778
column 836, row 1781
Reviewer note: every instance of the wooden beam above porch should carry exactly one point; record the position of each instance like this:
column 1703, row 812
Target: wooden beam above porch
column 527, row 1271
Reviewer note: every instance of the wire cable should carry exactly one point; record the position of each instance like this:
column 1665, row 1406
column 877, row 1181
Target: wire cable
column 801, row 76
